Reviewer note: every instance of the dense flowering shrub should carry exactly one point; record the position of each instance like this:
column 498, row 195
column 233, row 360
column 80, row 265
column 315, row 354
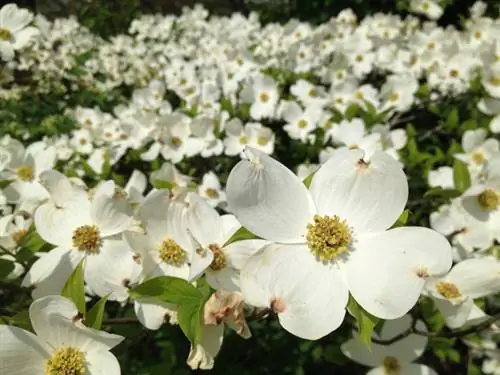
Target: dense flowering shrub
column 329, row 190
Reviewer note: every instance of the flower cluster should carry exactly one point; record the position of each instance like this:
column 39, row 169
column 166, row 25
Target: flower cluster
column 177, row 201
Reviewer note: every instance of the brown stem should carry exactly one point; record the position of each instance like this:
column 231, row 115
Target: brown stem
column 450, row 334
column 126, row 320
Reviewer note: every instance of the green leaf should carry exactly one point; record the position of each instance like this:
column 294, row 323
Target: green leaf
column 162, row 184
column 366, row 321
column 32, row 242
column 352, row 111
column 190, row 317
column 190, row 301
column 307, row 181
column 461, row 176
column 402, row 220
column 168, row 289
column 241, row 234
column 22, row 320
column 5, row 183
column 453, row 119
column 96, row 313
column 74, row 288
column 6, row 267
column 446, row 193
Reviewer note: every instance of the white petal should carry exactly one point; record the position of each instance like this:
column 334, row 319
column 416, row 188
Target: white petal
column 238, row 253
column 137, row 182
column 472, row 139
column 53, row 319
column 203, row 355
column 387, row 271
column 495, row 124
column 6, row 50
column 113, row 281
column 21, row 352
column 199, row 263
column 153, row 214
column 177, row 227
column 44, row 159
column 405, row 350
column 56, row 225
column 357, row 351
column 14, row 18
column 455, row 315
column 478, row 277
column 230, row 226
column 268, row 199
column 203, row 221
column 150, row 313
column 110, row 214
column 227, row 279
column 101, row 362
column 64, row 194
column 312, row 296
column 409, row 348
column 369, row 196
column 416, row 369
column 24, row 36
column 49, row 273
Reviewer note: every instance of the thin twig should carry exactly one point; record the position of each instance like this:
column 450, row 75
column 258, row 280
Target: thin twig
column 126, row 320
column 442, row 334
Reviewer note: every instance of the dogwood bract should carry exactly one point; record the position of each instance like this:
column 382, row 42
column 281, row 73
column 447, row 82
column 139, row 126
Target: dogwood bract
column 62, row 344
column 332, row 240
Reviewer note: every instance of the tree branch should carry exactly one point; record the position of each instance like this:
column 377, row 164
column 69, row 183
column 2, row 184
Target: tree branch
column 442, row 334
column 126, row 320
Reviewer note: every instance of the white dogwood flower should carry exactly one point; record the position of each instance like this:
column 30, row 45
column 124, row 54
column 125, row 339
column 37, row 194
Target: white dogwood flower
column 396, row 358
column 332, row 240
column 14, row 30
column 62, row 344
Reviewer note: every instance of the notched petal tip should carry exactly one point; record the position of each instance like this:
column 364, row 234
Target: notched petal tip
column 253, row 157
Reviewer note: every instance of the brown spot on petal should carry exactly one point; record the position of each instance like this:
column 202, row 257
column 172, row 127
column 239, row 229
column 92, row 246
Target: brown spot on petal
column 137, row 258
column 422, row 272
column 362, row 164
column 278, row 305
column 77, row 318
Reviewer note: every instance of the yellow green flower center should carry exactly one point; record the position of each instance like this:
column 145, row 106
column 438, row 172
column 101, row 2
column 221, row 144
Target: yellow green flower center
column 212, row 193
column 313, row 93
column 87, row 238
column 220, row 260
column 264, row 97
column 176, row 141
column 262, row 141
column 66, row 361
column 391, row 366
column 328, row 237
column 302, row 123
column 171, row 253
column 394, row 97
column 25, row 172
column 478, row 157
column 495, row 80
column 489, row 200
column 243, row 140
column 448, row 290
column 5, row 34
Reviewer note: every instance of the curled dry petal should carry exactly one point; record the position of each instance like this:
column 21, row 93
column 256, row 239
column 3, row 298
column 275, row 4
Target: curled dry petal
column 227, row 307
